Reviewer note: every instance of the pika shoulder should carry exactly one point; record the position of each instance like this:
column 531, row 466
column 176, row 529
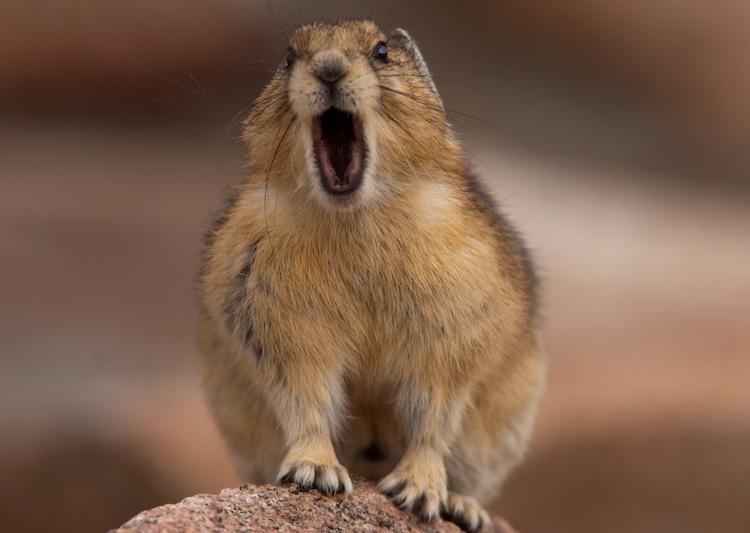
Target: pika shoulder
column 364, row 307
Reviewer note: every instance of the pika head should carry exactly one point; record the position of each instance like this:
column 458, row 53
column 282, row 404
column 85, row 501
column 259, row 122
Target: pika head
column 351, row 116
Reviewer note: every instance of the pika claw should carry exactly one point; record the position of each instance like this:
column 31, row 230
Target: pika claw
column 425, row 502
column 465, row 512
column 307, row 475
column 392, row 491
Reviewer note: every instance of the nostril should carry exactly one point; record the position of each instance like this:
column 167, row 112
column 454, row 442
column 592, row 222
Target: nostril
column 329, row 67
column 329, row 73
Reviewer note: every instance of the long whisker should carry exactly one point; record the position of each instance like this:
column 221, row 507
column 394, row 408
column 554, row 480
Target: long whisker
column 174, row 97
column 270, row 169
column 410, row 135
column 241, row 7
column 276, row 20
column 387, row 15
column 451, row 25
column 212, row 95
column 434, row 107
column 198, row 90
column 260, row 69
column 235, row 113
column 461, row 123
column 425, row 103
column 402, row 20
column 165, row 77
column 434, row 77
column 492, row 146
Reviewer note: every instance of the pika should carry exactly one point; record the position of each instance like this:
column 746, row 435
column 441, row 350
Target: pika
column 364, row 306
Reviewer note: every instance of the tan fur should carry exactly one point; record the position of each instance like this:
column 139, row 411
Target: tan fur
column 403, row 316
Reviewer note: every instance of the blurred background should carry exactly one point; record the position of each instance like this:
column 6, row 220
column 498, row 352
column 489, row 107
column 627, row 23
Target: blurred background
column 616, row 135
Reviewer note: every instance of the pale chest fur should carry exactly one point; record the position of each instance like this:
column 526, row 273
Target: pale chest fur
column 421, row 276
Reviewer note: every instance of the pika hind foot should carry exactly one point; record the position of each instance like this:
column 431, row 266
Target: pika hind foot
column 465, row 512
column 327, row 478
column 418, row 486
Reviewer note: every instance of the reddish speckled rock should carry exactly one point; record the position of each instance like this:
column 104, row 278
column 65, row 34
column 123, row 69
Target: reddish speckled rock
column 275, row 508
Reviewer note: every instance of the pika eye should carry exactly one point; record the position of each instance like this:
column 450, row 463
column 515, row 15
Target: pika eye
column 291, row 57
column 380, row 52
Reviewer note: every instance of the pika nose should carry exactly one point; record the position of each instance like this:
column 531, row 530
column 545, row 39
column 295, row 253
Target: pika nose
column 329, row 67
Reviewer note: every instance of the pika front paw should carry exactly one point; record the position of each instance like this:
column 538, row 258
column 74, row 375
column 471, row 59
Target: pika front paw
column 465, row 512
column 327, row 478
column 420, row 489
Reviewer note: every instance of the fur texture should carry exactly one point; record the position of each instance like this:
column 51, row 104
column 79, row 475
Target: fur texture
column 391, row 333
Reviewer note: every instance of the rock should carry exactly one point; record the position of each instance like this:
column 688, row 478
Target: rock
column 283, row 508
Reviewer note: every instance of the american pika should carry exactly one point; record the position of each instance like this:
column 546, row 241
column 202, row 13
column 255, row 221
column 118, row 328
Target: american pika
column 364, row 307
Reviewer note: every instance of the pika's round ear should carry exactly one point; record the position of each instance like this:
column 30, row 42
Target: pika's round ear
column 401, row 39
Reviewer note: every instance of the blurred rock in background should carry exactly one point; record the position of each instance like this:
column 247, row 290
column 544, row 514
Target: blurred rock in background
column 614, row 133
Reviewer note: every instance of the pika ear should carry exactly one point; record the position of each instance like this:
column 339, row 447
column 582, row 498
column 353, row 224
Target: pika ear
column 401, row 39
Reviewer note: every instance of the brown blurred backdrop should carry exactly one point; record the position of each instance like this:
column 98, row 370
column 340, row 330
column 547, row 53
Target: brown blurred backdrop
column 615, row 134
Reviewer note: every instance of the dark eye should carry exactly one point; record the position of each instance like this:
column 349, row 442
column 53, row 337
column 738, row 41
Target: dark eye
column 380, row 52
column 291, row 57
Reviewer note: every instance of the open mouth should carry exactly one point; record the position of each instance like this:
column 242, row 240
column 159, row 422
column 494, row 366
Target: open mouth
column 339, row 148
